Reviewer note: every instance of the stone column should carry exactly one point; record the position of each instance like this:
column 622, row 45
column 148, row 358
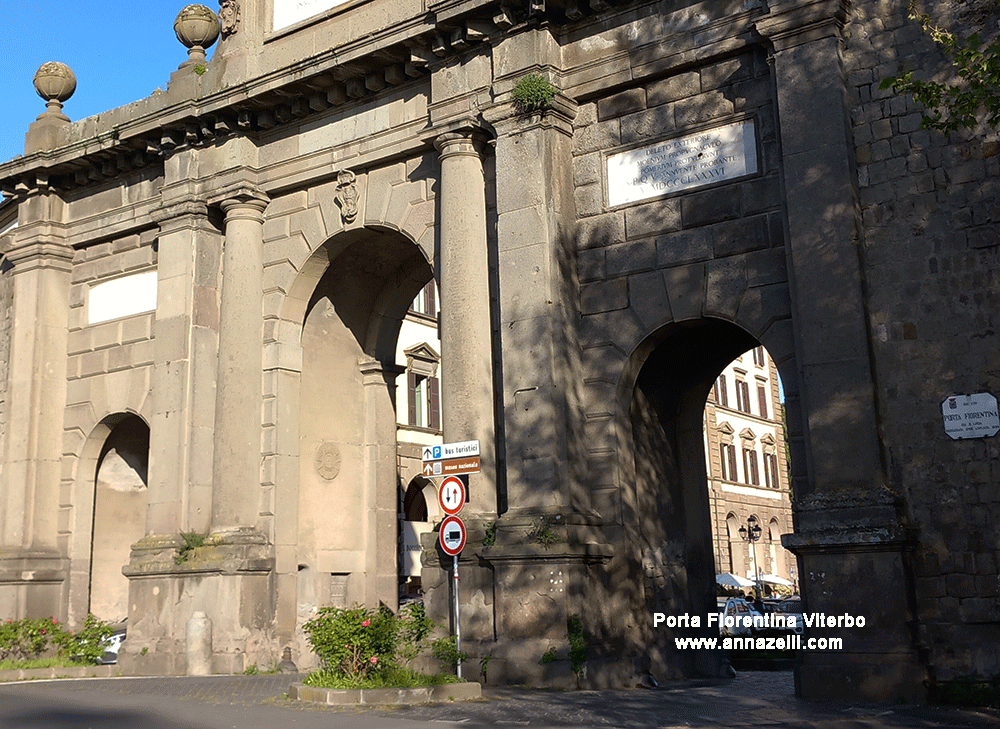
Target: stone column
column 32, row 568
column 849, row 532
column 466, row 329
column 236, row 471
column 381, row 484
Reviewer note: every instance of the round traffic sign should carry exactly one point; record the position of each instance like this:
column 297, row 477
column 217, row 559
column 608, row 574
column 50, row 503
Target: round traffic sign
column 451, row 495
column 452, row 536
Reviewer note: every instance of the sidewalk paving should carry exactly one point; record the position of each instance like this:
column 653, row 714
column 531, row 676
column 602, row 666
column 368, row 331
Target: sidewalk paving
column 752, row 699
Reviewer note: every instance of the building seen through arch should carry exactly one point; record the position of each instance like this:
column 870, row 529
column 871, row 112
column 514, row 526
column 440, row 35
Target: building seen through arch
column 746, row 454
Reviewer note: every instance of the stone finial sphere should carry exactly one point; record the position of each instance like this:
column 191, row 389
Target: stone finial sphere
column 196, row 26
column 55, row 81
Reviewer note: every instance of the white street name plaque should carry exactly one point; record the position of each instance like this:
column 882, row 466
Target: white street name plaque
column 683, row 163
column 289, row 12
column 970, row 416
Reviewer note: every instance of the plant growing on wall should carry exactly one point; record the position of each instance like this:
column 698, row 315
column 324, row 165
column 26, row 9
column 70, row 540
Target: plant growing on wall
column 956, row 105
column 190, row 541
column 490, row 538
column 542, row 533
column 532, row 93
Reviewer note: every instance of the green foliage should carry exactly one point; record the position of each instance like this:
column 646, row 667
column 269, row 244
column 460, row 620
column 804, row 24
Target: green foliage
column 577, row 644
column 190, row 541
column 200, row 69
column 484, row 661
column 952, row 106
column 445, row 650
column 577, row 647
column 27, row 639
column 354, row 642
column 532, row 93
column 970, row 690
column 392, row 677
column 490, row 538
column 543, row 534
column 28, row 664
column 413, row 628
column 87, row 644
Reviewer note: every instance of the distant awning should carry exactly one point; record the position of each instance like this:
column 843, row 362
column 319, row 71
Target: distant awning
column 728, row 579
column 775, row 580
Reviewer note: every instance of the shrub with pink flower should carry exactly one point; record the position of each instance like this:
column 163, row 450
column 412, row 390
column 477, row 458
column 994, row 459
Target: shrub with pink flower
column 31, row 638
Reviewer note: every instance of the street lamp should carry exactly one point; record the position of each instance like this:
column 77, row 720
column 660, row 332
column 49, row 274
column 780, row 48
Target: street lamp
column 751, row 534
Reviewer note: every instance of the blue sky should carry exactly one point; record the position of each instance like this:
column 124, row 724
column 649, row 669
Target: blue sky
column 119, row 51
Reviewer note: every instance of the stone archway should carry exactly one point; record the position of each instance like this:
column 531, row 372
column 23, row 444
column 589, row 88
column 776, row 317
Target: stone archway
column 119, row 515
column 110, row 504
column 338, row 401
column 668, row 519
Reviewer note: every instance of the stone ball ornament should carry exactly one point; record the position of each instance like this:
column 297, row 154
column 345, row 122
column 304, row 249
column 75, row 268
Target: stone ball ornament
column 197, row 27
column 55, row 82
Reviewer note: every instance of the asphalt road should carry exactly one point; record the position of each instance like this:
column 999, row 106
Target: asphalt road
column 258, row 702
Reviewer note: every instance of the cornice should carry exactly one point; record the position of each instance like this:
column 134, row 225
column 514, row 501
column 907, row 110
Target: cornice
column 339, row 76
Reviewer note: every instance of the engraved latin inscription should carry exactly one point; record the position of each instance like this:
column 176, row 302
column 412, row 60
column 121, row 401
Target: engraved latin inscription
column 683, row 163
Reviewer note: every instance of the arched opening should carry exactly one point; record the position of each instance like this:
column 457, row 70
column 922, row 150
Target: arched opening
column 673, row 515
column 348, row 497
column 419, row 503
column 119, row 516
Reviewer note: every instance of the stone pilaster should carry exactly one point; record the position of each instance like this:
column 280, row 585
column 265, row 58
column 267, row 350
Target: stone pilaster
column 381, row 484
column 535, row 210
column 33, row 568
column 186, row 345
column 467, row 400
column 849, row 532
column 236, row 466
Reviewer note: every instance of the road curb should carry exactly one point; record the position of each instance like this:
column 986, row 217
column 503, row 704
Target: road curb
column 26, row 674
column 386, row 696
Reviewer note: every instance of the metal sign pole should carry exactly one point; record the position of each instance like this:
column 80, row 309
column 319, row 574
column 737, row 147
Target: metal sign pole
column 458, row 628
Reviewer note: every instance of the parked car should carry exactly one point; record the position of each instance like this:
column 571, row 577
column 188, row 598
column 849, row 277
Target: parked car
column 113, row 645
column 738, row 608
column 792, row 607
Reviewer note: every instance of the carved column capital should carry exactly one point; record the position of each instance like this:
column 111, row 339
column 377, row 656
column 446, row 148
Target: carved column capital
column 244, row 203
column 467, row 137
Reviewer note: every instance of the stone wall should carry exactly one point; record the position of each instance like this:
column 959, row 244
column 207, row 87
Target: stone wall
column 930, row 208
column 634, row 255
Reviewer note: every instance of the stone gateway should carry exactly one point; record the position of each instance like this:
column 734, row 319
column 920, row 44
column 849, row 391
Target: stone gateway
column 203, row 293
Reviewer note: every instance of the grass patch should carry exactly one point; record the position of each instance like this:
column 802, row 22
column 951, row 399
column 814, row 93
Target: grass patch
column 395, row 677
column 29, row 663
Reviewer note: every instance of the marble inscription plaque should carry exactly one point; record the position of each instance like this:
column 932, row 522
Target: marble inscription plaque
column 682, row 163
column 970, row 416
column 290, row 12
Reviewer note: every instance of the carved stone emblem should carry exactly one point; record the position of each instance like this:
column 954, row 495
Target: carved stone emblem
column 229, row 16
column 347, row 195
column 328, row 461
